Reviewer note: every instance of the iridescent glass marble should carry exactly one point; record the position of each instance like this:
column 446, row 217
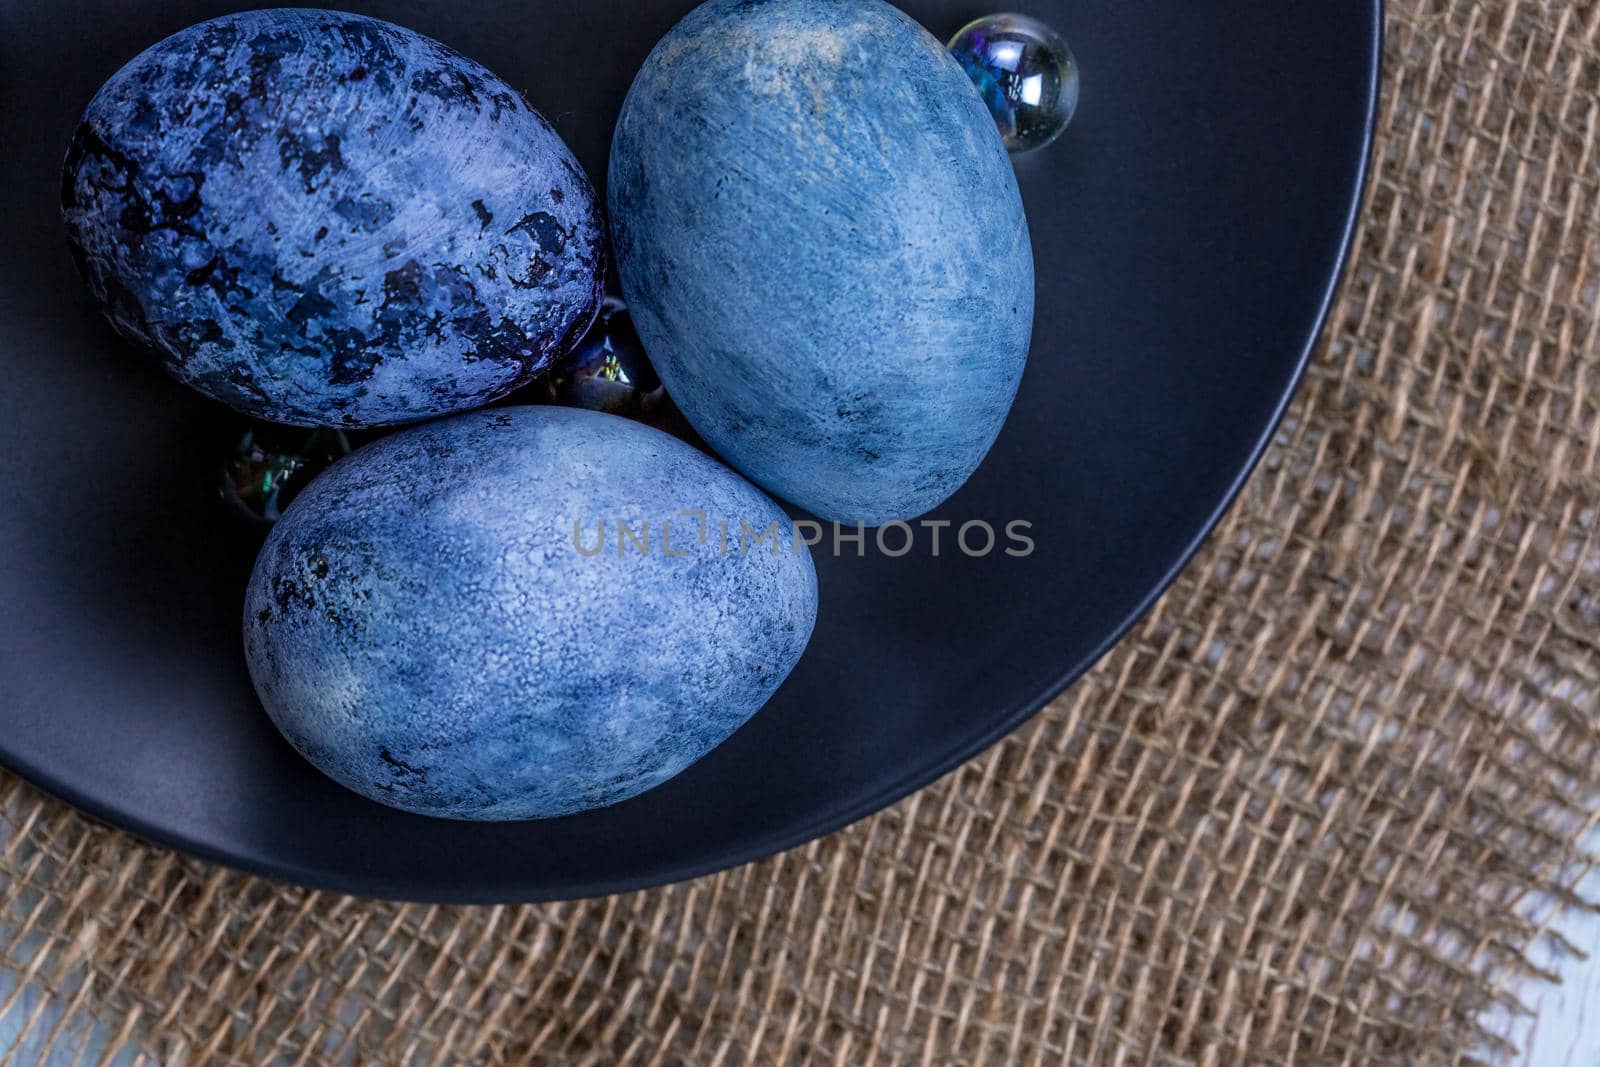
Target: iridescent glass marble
column 608, row 370
column 273, row 463
column 1025, row 73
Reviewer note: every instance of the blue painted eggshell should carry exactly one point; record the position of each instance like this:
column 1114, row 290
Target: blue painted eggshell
column 325, row 220
column 823, row 247
column 438, row 622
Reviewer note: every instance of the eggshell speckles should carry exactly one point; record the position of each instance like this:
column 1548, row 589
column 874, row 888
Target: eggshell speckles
column 824, row 250
column 439, row 623
column 322, row 219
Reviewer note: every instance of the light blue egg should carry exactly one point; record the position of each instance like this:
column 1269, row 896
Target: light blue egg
column 322, row 219
column 523, row 613
column 823, row 247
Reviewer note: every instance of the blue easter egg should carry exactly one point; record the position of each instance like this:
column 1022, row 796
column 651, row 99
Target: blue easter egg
column 523, row 612
column 323, row 219
column 821, row 241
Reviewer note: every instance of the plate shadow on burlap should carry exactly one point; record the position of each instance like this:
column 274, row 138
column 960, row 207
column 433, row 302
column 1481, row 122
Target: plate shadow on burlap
column 1316, row 809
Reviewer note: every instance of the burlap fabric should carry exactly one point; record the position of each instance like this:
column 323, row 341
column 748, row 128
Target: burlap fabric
column 1317, row 809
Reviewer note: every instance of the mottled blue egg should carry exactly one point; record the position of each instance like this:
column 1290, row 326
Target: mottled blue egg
column 325, row 220
column 823, row 247
column 523, row 612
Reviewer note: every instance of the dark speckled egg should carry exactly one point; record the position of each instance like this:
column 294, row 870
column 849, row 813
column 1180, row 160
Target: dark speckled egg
column 323, row 219
column 822, row 243
column 523, row 612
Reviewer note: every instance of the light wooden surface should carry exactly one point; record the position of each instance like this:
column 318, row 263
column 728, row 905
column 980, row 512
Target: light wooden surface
column 1565, row 1031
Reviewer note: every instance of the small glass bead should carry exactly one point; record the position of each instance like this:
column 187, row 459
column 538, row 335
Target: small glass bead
column 1025, row 73
column 273, row 463
column 608, row 370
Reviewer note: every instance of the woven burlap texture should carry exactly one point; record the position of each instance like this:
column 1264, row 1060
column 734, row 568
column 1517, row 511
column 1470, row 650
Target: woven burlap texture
column 1316, row 809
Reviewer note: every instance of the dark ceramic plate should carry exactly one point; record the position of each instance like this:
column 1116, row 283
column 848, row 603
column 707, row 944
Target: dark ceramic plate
column 1188, row 232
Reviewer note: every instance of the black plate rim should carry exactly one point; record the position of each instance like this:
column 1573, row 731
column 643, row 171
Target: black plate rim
column 996, row 728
